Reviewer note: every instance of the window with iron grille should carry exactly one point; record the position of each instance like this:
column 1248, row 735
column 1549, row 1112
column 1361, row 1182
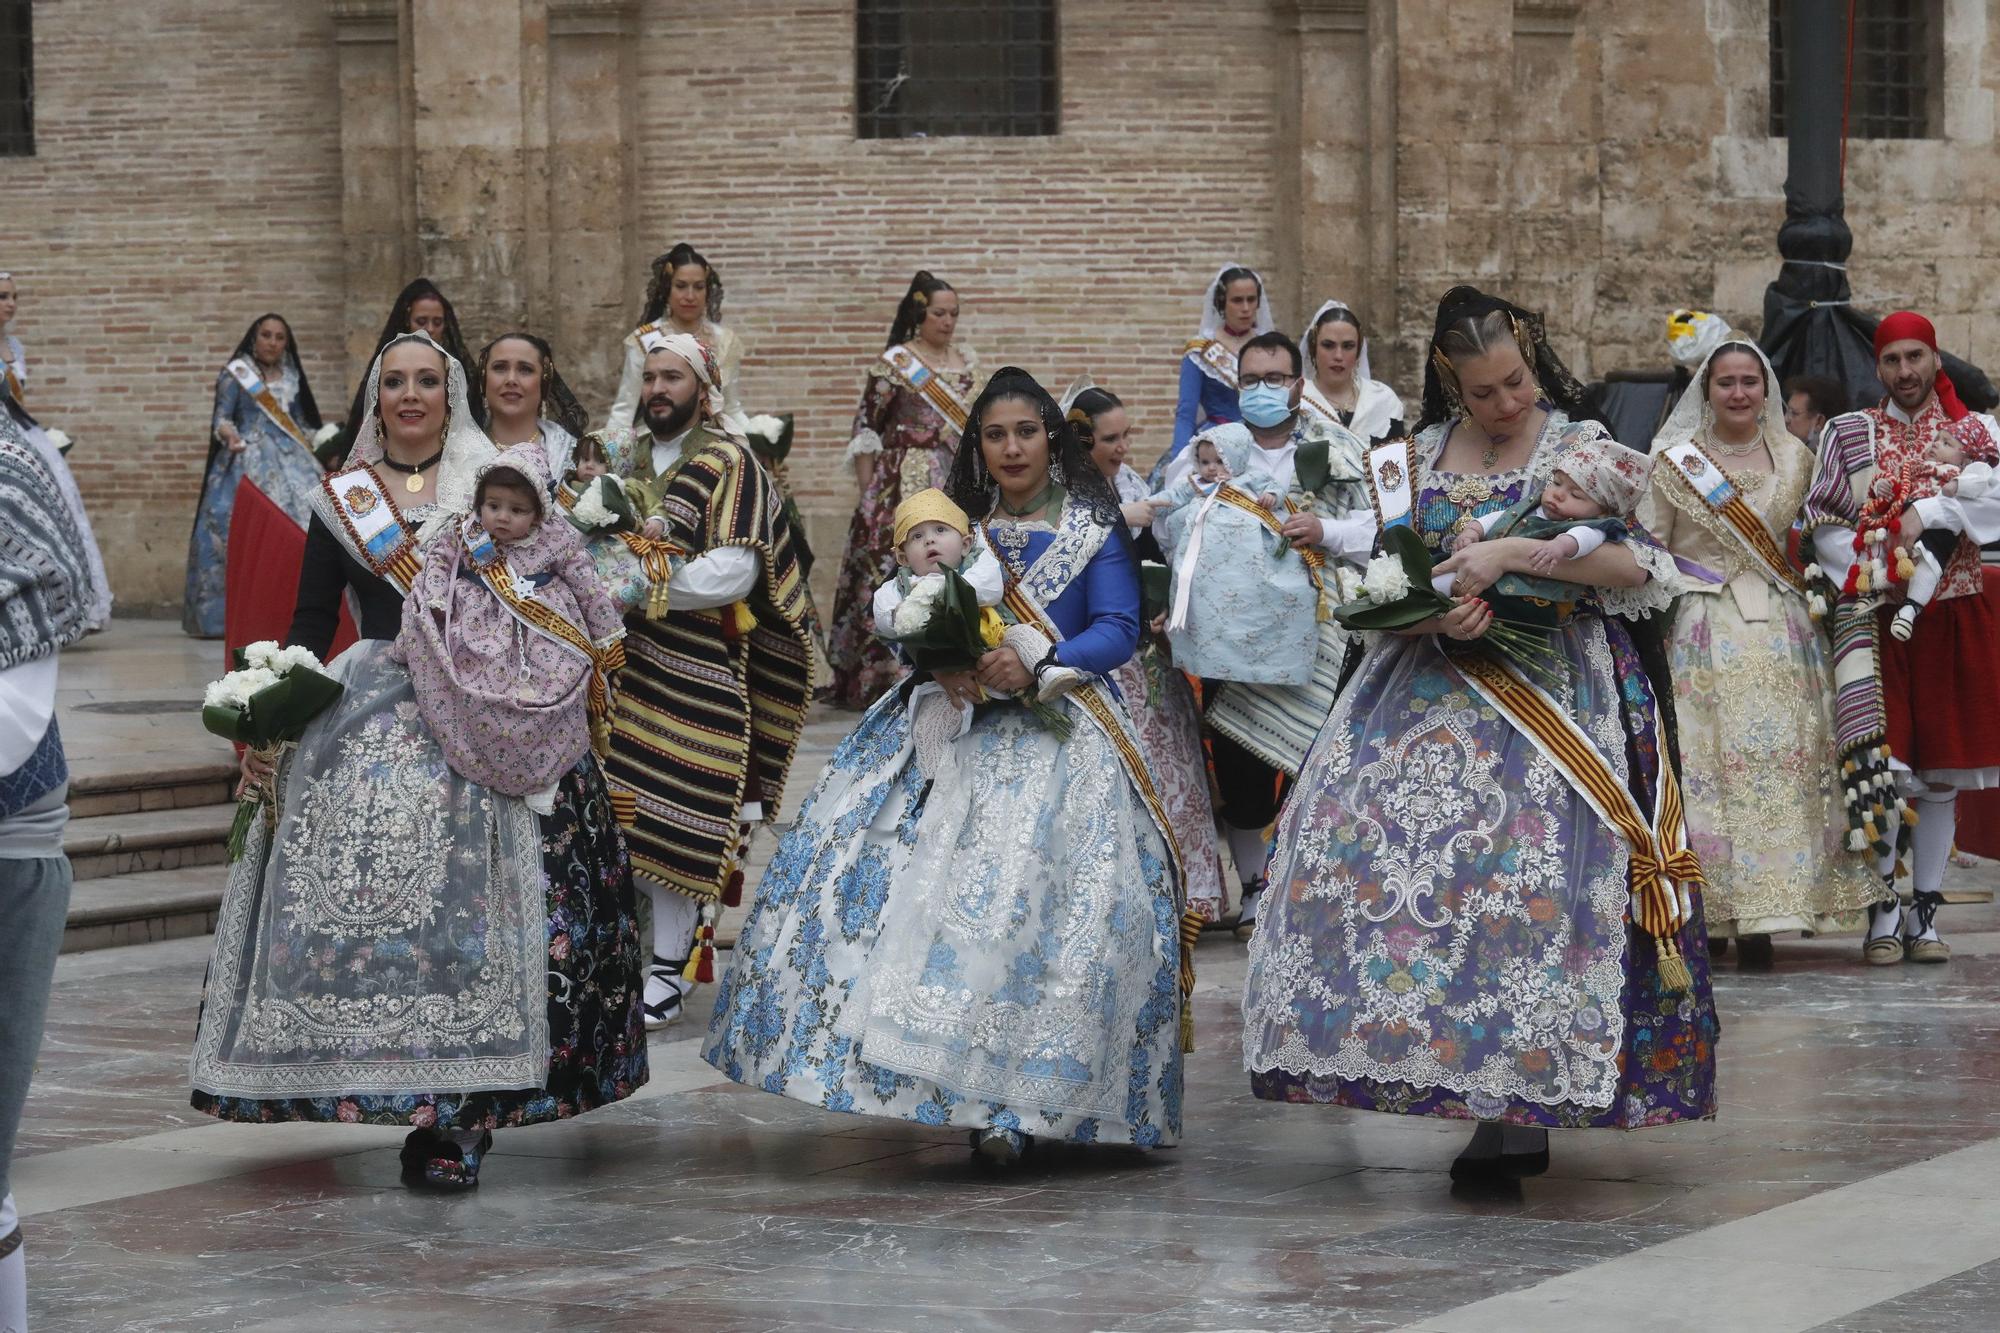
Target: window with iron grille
column 17, row 80
column 938, row 68
column 1898, row 68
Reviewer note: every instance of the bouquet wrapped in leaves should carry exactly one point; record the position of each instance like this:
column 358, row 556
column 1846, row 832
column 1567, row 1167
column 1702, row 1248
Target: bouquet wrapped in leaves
column 1399, row 591
column 941, row 626
column 600, row 505
column 266, row 702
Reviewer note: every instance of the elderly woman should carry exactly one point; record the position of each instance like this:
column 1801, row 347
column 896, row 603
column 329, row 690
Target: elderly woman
column 405, row 947
column 913, row 952
column 1483, row 907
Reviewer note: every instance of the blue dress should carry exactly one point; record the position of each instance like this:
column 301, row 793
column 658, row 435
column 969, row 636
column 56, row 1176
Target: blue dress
column 1205, row 400
column 281, row 467
column 998, row 947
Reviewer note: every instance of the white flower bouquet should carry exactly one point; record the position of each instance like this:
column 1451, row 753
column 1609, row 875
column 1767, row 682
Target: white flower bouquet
column 267, row 701
column 601, row 505
column 60, row 439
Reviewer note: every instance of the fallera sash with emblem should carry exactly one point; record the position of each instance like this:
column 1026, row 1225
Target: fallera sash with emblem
column 1214, row 360
column 1662, row 863
column 371, row 527
column 920, row 379
column 1392, row 468
column 260, row 393
column 1712, row 487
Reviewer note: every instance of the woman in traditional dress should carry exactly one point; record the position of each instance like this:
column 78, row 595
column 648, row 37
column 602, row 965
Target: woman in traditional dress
column 684, row 295
column 261, row 429
column 13, row 401
column 912, row 414
column 404, row 947
column 1448, row 932
column 1158, row 698
column 525, row 399
column 993, row 945
column 1234, row 309
column 1752, row 682
column 1340, row 387
column 419, row 308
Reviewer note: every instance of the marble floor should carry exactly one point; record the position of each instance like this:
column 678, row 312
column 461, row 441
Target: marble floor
column 1851, row 1182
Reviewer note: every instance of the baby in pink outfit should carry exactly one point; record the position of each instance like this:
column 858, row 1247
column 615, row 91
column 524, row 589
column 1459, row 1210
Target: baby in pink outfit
column 509, row 634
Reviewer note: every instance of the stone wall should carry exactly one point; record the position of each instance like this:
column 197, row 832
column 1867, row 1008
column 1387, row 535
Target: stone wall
column 1602, row 161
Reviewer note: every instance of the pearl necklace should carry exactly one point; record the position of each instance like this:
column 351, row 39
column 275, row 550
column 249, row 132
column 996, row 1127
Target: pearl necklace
column 1734, row 450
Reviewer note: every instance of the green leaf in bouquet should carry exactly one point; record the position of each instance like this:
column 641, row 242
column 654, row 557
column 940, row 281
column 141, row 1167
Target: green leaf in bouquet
column 226, row 721
column 280, row 712
column 1156, row 583
column 1312, row 465
column 950, row 639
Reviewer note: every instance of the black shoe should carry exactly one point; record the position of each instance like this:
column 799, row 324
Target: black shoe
column 417, row 1149
column 1479, row 1163
column 1754, row 953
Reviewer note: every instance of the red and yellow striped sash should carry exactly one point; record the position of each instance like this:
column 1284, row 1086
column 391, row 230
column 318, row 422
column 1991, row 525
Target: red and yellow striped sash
column 920, row 379
column 1660, row 856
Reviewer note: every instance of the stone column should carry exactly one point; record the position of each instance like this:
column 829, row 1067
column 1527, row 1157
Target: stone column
column 378, row 198
column 593, row 255
column 1336, row 236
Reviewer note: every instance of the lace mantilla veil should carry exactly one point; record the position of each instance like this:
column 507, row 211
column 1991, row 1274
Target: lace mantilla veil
column 466, row 448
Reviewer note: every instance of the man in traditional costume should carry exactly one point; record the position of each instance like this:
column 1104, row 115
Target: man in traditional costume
column 714, row 692
column 1902, row 766
column 1261, row 637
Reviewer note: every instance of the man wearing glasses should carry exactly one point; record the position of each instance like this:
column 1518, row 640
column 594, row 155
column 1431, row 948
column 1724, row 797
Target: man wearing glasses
column 1269, row 663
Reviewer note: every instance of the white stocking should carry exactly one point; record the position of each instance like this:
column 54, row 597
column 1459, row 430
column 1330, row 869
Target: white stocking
column 1930, row 845
column 1248, row 847
column 13, row 1274
column 675, row 916
column 1885, row 920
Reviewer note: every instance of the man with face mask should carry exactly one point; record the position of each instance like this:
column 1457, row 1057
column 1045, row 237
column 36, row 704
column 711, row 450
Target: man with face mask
column 1250, row 625
column 709, row 706
column 1902, row 766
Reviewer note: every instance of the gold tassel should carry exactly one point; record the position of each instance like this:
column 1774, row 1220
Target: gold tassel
column 1674, row 974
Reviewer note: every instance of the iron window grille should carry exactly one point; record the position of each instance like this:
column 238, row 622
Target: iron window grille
column 17, row 79
column 940, row 68
column 1898, row 68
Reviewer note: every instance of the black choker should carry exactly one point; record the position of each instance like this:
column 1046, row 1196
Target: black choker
column 413, row 468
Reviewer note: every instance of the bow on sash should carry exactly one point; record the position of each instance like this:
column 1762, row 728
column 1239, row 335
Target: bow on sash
column 1662, row 864
column 655, row 556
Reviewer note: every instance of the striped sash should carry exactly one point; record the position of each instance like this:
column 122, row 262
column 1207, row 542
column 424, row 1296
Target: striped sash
column 655, row 557
column 921, row 380
column 545, row 619
column 1662, row 863
column 1700, row 474
column 15, row 389
column 260, row 393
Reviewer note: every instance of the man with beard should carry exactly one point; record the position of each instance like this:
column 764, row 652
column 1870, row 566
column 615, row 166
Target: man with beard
column 714, row 692
column 1902, row 766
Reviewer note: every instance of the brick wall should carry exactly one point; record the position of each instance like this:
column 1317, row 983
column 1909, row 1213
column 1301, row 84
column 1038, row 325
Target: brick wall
column 186, row 179
column 1602, row 161
column 1087, row 251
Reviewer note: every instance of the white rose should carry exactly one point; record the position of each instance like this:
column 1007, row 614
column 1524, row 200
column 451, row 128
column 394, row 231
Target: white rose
column 58, row 439
column 1385, row 580
column 590, row 509
column 921, row 601
column 325, row 433
column 764, row 427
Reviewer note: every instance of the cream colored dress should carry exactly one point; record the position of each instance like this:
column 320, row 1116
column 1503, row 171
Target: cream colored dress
column 1753, row 687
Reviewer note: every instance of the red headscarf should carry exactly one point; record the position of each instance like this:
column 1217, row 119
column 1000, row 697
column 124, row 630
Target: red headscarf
column 1906, row 324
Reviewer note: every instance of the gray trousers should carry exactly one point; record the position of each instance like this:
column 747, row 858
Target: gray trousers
column 34, row 901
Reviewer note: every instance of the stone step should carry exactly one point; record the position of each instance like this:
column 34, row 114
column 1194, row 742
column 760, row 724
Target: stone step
column 122, row 844
column 143, row 907
column 112, row 786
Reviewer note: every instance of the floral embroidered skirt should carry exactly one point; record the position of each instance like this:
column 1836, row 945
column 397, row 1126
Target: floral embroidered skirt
column 861, row 666
column 997, row 947
column 1447, row 932
column 1167, row 720
column 1758, row 772
column 487, row 962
